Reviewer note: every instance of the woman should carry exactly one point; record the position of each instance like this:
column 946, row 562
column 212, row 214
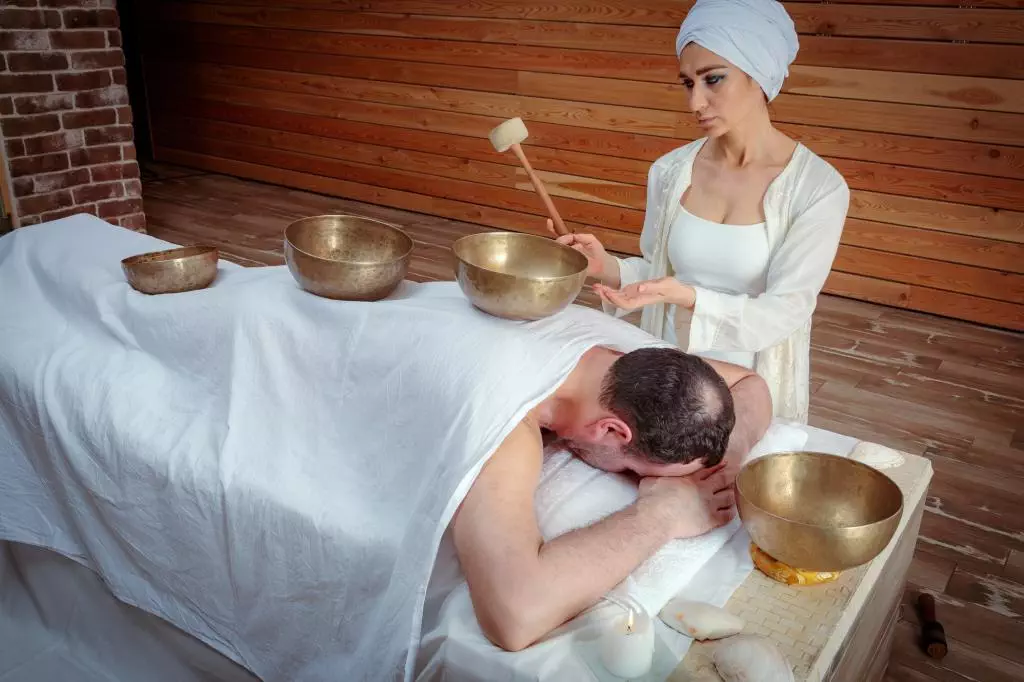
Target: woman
column 742, row 225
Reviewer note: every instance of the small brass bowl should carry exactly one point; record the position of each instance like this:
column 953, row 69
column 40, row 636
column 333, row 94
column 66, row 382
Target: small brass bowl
column 172, row 271
column 347, row 257
column 818, row 512
column 518, row 276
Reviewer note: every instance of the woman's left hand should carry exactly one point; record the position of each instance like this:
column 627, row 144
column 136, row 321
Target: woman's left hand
column 664, row 290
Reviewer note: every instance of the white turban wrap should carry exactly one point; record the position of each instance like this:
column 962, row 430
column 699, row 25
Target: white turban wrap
column 758, row 36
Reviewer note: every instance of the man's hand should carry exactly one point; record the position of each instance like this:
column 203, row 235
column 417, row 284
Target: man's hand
column 691, row 505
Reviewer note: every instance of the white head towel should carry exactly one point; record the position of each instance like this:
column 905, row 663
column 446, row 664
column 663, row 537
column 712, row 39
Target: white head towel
column 758, row 36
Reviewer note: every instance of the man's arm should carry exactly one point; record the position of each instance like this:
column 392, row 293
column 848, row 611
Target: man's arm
column 521, row 587
column 752, row 401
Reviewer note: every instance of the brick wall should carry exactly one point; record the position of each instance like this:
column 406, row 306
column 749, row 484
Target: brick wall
column 64, row 114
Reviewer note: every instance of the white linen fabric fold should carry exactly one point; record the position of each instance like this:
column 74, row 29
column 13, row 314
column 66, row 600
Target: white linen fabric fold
column 268, row 470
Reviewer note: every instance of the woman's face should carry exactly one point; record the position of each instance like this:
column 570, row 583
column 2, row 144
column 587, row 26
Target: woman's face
column 720, row 95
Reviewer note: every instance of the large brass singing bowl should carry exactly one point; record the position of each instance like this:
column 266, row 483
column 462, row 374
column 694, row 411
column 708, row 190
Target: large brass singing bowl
column 818, row 512
column 518, row 276
column 172, row 271
column 347, row 257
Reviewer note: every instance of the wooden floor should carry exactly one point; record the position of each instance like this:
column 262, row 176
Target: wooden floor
column 948, row 390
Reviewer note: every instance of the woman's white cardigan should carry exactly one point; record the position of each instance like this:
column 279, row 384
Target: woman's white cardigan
column 805, row 208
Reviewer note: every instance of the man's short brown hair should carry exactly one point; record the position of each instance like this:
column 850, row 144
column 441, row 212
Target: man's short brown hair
column 678, row 407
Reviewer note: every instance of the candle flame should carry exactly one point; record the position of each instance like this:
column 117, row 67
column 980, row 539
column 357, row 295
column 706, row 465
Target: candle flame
column 629, row 622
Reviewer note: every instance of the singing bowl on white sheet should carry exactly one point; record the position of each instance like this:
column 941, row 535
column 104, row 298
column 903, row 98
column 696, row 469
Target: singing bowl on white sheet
column 347, row 257
column 518, row 276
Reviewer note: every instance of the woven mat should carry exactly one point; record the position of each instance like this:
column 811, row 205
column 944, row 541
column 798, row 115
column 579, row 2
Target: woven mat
column 809, row 624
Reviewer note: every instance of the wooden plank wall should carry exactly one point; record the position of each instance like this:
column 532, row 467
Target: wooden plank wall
column 919, row 103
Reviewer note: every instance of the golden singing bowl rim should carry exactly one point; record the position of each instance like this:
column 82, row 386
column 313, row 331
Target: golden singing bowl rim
column 405, row 238
column 176, row 254
column 886, row 481
column 580, row 259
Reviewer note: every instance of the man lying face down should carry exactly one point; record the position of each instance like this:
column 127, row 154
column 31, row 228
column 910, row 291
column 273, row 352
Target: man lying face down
column 678, row 422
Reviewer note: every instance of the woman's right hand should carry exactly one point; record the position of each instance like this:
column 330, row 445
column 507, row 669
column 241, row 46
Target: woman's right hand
column 600, row 265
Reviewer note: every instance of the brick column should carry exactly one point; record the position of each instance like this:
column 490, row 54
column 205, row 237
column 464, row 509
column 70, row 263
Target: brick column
column 64, row 114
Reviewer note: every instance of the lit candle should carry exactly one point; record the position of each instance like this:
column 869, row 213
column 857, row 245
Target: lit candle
column 627, row 649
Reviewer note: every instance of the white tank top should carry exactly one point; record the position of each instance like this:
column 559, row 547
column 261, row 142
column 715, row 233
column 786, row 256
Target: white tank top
column 732, row 259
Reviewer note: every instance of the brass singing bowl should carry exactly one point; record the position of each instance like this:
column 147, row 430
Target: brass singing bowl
column 172, row 271
column 347, row 257
column 818, row 512
column 518, row 276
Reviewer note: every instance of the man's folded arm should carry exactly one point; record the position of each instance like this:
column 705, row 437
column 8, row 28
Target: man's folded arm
column 521, row 587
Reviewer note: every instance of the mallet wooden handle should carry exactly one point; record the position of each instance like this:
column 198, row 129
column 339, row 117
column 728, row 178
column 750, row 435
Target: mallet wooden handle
column 560, row 227
column 933, row 636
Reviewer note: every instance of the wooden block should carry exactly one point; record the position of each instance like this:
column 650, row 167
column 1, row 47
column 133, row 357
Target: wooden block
column 995, row 593
column 988, row 451
column 964, row 544
column 1015, row 566
column 916, row 23
column 1003, row 193
column 935, row 245
column 938, row 215
column 930, row 572
column 974, row 93
column 981, row 282
column 834, row 340
column 867, row 289
column 918, row 56
column 980, row 498
column 898, row 423
column 950, row 396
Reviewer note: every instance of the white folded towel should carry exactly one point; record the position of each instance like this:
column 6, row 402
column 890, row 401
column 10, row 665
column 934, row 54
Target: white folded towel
column 572, row 494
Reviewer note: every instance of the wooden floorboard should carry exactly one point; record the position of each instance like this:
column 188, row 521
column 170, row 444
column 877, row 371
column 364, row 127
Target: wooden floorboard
column 945, row 389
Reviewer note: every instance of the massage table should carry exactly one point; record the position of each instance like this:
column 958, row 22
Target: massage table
column 60, row 620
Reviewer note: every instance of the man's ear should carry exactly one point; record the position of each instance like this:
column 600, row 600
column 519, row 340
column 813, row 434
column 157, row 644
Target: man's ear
column 612, row 431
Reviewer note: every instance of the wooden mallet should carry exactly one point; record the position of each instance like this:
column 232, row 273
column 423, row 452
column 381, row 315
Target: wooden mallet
column 933, row 636
column 507, row 136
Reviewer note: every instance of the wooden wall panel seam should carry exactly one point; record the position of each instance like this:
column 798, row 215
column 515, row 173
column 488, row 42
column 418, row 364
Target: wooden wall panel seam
column 928, row 215
column 998, row 192
column 969, row 59
column 485, row 172
column 967, row 92
column 523, row 201
column 973, row 251
column 921, row 121
column 880, row 20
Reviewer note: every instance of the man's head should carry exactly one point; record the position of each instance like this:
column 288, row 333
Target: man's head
column 659, row 412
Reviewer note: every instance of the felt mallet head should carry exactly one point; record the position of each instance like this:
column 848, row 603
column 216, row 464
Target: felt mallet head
column 508, row 133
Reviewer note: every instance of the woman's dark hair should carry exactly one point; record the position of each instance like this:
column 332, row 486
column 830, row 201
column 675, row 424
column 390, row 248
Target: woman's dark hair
column 678, row 407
